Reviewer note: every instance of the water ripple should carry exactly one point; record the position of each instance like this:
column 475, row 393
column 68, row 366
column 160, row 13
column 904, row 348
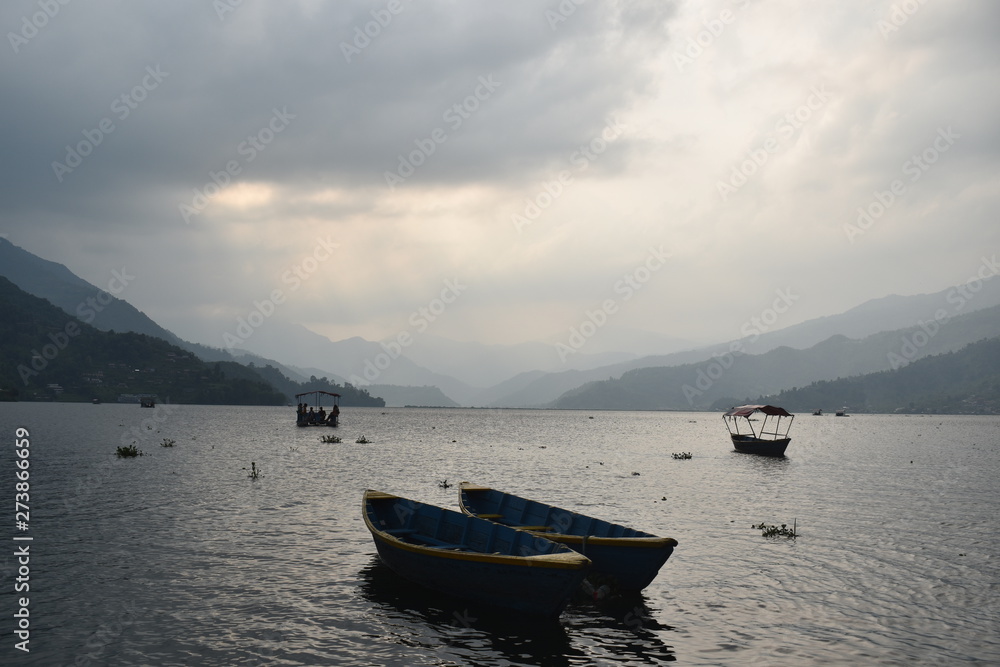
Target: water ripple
column 177, row 557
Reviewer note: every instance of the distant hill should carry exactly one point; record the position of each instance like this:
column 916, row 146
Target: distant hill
column 703, row 385
column 47, row 355
column 480, row 365
column 890, row 313
column 358, row 361
column 105, row 312
column 963, row 382
column 425, row 397
column 349, row 395
column 98, row 307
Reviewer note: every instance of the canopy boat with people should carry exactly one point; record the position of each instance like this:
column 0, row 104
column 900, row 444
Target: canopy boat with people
column 751, row 435
column 314, row 414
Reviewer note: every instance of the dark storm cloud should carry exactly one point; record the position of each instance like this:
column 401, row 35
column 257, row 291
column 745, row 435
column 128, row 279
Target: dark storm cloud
column 354, row 110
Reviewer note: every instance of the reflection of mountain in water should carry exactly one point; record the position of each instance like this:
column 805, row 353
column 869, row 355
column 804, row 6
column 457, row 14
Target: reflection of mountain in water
column 460, row 631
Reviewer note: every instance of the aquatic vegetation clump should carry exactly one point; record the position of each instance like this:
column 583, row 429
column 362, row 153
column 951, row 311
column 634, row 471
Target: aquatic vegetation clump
column 363, row 440
column 775, row 531
column 682, row 455
column 128, row 452
column 255, row 472
column 167, row 442
column 330, row 438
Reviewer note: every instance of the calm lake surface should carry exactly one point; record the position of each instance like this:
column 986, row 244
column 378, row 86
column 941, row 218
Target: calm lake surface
column 177, row 558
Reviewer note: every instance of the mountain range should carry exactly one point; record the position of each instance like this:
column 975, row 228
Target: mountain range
column 436, row 371
column 735, row 378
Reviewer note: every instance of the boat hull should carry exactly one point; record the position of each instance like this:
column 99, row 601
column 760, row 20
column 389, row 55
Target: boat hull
column 751, row 445
column 633, row 562
column 633, row 558
column 474, row 559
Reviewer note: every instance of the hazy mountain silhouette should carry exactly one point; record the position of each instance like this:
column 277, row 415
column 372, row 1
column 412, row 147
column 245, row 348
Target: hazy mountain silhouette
column 892, row 313
column 727, row 378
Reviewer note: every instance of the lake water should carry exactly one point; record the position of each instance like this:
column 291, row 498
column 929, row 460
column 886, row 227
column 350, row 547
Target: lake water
column 178, row 558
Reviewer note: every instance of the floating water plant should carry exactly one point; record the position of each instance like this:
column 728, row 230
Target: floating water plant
column 330, row 438
column 167, row 442
column 682, row 455
column 775, row 531
column 444, row 484
column 254, row 471
column 128, row 452
column 362, row 440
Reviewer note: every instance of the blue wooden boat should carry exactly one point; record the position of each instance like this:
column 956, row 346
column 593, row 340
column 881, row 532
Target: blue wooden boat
column 472, row 558
column 751, row 436
column 631, row 556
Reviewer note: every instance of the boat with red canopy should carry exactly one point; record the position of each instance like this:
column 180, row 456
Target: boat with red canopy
column 752, row 435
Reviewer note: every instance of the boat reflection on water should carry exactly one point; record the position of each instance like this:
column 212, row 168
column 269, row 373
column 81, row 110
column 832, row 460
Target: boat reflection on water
column 618, row 631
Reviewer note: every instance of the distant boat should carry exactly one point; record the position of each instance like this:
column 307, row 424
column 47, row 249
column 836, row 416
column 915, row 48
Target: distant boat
column 147, row 402
column 750, row 440
column 818, row 412
column 631, row 556
column 307, row 415
column 842, row 412
column 96, row 401
column 472, row 558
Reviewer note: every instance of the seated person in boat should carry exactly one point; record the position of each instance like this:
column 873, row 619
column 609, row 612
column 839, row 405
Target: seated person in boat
column 311, row 417
column 321, row 415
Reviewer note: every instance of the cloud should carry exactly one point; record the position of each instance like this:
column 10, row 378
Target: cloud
column 418, row 135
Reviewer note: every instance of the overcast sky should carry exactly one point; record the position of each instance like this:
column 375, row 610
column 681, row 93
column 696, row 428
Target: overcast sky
column 509, row 167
